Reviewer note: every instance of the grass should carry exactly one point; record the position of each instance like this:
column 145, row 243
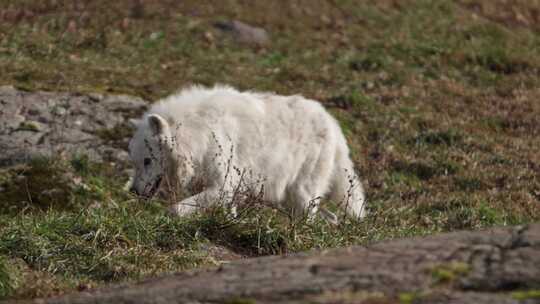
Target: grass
column 438, row 100
column 102, row 235
column 6, row 280
column 526, row 295
column 443, row 274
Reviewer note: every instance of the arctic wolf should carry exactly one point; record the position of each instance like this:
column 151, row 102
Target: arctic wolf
column 207, row 136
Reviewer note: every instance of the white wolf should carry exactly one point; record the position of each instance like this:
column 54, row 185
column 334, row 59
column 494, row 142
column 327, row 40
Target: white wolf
column 201, row 134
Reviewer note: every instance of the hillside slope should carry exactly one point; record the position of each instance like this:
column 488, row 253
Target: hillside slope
column 438, row 101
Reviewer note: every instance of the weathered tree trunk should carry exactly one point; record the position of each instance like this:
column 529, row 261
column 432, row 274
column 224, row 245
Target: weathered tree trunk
column 463, row 267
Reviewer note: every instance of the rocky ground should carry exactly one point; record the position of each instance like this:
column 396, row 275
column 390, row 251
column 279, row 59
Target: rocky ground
column 494, row 266
column 46, row 124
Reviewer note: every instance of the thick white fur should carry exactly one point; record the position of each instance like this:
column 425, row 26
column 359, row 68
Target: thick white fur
column 209, row 134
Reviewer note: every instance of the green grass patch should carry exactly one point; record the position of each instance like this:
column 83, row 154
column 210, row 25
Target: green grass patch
column 6, row 279
column 42, row 184
column 526, row 295
column 448, row 273
column 104, row 235
column 408, row 297
column 240, row 301
column 447, row 138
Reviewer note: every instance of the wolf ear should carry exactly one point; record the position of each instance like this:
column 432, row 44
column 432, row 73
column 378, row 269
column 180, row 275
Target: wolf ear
column 157, row 124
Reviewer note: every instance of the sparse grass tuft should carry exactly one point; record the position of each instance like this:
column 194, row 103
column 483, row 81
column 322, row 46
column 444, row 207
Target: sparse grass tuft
column 448, row 273
column 116, row 136
column 240, row 301
column 42, row 184
column 6, row 279
column 407, row 297
column 448, row 138
column 526, row 295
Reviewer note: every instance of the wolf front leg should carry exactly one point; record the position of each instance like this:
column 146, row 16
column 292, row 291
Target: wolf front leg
column 205, row 199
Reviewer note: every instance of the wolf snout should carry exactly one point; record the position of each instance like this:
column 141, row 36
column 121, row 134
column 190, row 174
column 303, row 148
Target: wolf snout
column 133, row 190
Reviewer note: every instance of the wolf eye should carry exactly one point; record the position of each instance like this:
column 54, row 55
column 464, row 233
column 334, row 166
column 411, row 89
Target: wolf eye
column 147, row 161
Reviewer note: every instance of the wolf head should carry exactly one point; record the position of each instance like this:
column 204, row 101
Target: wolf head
column 150, row 150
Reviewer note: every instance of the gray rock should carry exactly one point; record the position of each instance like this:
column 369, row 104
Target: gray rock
column 245, row 33
column 45, row 124
column 460, row 267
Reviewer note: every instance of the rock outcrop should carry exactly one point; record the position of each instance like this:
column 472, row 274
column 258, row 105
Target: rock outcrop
column 43, row 123
column 245, row 33
column 501, row 265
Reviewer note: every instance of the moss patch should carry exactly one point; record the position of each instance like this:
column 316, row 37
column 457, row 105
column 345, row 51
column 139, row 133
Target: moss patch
column 448, row 273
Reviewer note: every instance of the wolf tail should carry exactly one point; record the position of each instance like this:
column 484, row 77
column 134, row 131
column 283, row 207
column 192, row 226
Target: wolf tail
column 347, row 188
